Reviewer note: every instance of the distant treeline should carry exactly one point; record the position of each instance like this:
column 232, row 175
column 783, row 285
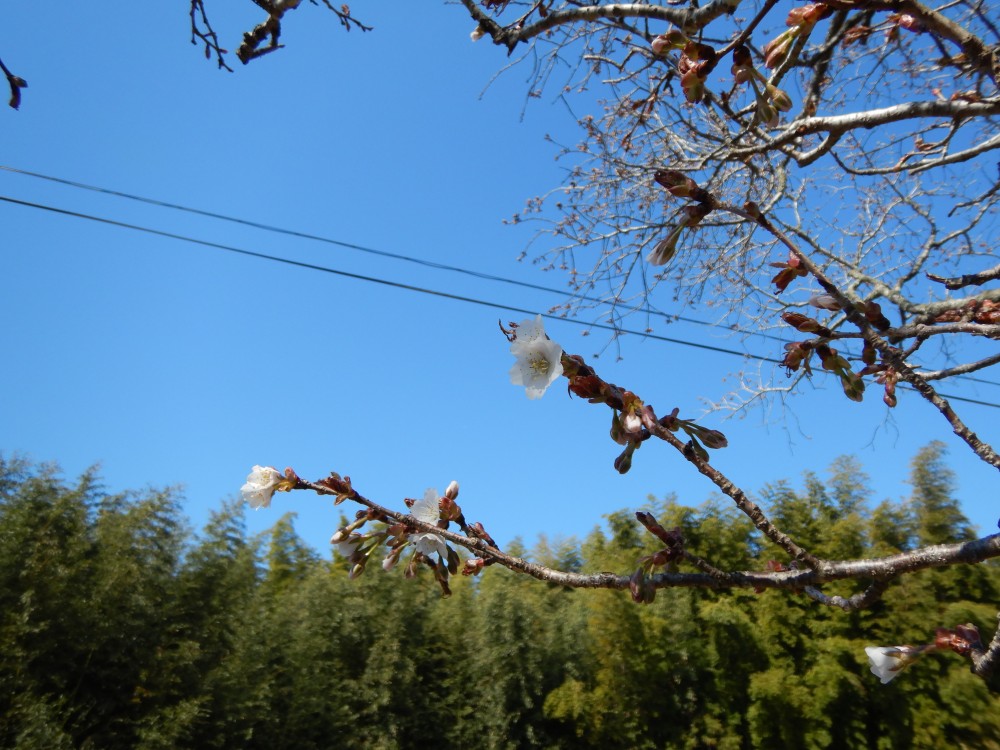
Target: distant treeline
column 119, row 628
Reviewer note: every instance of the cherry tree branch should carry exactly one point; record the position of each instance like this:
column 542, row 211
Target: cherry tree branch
column 837, row 125
column 982, row 57
column 965, row 369
column 881, row 570
column 889, row 354
column 969, row 279
column 203, row 31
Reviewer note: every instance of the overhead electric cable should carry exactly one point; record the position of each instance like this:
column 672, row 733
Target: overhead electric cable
column 376, row 280
column 413, row 288
column 383, row 253
column 399, row 256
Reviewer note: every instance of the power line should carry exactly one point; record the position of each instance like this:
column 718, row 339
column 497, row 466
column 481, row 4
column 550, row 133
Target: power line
column 413, row 288
column 384, row 282
column 410, row 259
column 361, row 248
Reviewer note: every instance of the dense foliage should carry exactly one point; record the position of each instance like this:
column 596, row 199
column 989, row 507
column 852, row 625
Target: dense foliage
column 120, row 629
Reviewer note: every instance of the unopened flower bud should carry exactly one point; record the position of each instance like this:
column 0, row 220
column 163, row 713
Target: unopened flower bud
column 452, row 491
column 624, row 462
column 824, row 302
column 781, row 101
column 477, row 34
column 474, row 566
column 766, row 114
column 340, row 535
column 741, row 56
column 777, row 49
column 713, row 439
column 391, row 559
column 664, row 250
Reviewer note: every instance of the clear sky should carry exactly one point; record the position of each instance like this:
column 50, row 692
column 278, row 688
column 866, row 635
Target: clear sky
column 170, row 363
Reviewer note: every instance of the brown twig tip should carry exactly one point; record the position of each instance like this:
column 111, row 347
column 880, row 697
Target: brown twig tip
column 16, row 83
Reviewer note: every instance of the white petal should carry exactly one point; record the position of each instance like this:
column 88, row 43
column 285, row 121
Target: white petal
column 427, row 510
column 885, row 662
column 429, row 544
column 529, row 330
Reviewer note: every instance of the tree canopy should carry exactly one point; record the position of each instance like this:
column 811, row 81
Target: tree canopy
column 120, row 628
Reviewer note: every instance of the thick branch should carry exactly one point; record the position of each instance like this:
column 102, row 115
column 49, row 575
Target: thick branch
column 981, row 56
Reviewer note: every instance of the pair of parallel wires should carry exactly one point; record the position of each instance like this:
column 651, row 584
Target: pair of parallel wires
column 616, row 330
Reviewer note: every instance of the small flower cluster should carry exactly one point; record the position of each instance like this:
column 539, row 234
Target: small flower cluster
column 358, row 546
column 798, row 353
column 427, row 547
column 696, row 61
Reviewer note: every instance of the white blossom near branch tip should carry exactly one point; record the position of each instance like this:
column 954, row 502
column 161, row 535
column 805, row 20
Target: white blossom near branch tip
column 888, row 661
column 428, row 510
column 539, row 358
column 260, row 486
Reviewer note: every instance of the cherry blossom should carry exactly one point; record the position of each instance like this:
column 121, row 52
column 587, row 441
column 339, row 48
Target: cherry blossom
column 539, row 359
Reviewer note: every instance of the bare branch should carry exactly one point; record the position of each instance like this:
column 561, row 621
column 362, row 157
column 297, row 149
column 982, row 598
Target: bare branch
column 203, row 31
column 965, row 369
column 969, row 279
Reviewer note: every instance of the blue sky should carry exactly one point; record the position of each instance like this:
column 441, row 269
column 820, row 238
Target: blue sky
column 173, row 364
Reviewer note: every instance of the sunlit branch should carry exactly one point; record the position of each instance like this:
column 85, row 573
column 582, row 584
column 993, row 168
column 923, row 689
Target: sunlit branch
column 969, row 279
column 839, row 124
column 965, row 369
column 882, row 570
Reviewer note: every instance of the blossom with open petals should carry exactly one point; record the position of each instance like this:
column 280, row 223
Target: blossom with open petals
column 888, row 661
column 260, row 486
column 428, row 510
column 539, row 358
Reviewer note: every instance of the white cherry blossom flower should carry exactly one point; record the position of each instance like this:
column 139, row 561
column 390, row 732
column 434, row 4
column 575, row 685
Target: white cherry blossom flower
column 260, row 486
column 888, row 661
column 539, row 358
column 429, row 511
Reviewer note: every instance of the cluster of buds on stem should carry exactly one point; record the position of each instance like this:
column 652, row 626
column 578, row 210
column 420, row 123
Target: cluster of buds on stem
column 797, row 354
column 696, row 61
column 680, row 186
column 633, row 421
column 800, row 21
column 853, row 385
column 770, row 99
